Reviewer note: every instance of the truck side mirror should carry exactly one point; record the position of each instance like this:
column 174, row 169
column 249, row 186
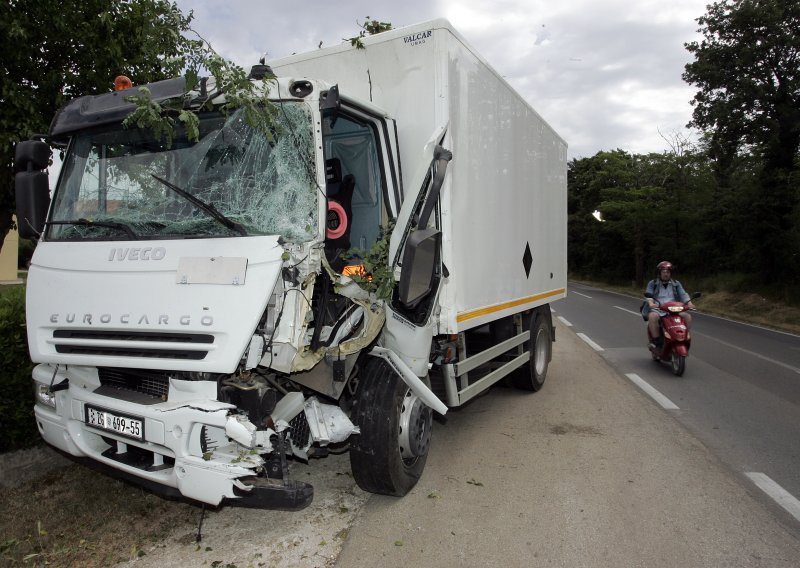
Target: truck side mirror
column 32, row 187
column 420, row 259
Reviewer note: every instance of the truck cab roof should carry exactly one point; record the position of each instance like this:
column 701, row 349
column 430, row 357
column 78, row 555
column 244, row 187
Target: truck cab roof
column 109, row 108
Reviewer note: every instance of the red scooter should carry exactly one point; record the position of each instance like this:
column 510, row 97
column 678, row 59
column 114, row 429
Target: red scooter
column 676, row 338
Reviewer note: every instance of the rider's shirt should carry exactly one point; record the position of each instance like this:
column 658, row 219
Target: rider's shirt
column 669, row 291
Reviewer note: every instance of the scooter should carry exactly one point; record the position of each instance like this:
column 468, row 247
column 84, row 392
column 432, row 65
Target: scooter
column 676, row 338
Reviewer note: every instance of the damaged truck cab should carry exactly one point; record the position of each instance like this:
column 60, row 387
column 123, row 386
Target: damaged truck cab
column 206, row 307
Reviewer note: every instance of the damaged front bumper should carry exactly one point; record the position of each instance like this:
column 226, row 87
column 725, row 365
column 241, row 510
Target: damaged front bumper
column 190, row 445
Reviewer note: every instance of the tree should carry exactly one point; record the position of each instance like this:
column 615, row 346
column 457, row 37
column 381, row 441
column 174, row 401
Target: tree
column 746, row 68
column 68, row 48
column 651, row 207
column 612, row 183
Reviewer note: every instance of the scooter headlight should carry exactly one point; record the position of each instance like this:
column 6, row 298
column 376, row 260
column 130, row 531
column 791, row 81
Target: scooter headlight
column 675, row 309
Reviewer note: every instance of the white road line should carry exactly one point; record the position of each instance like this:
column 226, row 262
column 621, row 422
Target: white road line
column 579, row 294
column 654, row 394
column 707, row 315
column 629, row 311
column 591, row 343
column 778, row 493
column 564, row 321
column 753, row 353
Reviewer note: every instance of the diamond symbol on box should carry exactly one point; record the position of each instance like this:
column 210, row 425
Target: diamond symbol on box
column 527, row 260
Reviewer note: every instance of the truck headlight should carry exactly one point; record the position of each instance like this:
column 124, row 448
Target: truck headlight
column 43, row 395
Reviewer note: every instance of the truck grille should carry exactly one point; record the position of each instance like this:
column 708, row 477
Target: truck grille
column 158, row 345
column 151, row 383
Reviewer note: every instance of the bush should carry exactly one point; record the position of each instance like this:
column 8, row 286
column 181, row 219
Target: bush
column 24, row 253
column 17, row 425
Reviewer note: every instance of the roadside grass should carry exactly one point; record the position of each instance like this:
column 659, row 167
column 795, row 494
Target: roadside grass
column 7, row 288
column 751, row 308
column 78, row 517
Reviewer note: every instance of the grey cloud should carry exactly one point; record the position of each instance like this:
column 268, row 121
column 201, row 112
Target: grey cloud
column 568, row 60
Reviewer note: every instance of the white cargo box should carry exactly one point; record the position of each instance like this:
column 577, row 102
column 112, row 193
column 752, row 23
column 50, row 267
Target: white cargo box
column 504, row 202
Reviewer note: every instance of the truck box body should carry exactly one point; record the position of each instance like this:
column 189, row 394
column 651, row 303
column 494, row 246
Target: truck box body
column 503, row 204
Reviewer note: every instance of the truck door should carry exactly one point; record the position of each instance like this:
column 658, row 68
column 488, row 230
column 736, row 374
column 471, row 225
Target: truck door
column 415, row 248
column 362, row 172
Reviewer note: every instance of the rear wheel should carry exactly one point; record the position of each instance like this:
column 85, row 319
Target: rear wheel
column 532, row 375
column 395, row 424
column 678, row 364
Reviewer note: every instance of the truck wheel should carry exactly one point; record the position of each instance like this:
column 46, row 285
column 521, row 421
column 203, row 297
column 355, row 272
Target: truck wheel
column 391, row 451
column 531, row 376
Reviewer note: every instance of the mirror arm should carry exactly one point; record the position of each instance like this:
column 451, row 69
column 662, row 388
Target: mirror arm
column 441, row 157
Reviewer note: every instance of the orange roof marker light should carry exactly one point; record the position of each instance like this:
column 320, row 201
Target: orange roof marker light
column 122, row 82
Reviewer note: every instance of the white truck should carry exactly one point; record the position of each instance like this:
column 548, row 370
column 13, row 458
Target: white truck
column 193, row 320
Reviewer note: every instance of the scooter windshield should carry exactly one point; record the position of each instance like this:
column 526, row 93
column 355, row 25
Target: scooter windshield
column 127, row 184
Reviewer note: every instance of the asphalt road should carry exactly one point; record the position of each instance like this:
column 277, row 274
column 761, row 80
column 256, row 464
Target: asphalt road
column 740, row 393
column 589, row 471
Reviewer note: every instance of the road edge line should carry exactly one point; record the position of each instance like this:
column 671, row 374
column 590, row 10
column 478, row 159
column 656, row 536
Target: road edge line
column 662, row 400
column 589, row 342
column 789, row 502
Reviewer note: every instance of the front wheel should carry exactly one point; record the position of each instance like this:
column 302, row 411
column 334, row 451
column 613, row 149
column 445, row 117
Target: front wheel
column 678, row 364
column 391, row 451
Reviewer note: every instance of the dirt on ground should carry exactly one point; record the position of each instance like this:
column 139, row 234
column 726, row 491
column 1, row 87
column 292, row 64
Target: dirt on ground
column 752, row 308
column 57, row 513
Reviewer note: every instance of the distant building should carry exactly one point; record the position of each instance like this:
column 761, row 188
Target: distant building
column 8, row 259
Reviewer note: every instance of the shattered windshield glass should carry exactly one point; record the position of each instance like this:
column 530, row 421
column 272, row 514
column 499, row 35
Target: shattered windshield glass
column 124, row 184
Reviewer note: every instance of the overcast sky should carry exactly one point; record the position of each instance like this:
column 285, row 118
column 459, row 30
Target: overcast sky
column 605, row 74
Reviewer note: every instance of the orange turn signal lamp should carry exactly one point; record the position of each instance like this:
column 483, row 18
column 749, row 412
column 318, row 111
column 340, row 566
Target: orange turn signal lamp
column 356, row 270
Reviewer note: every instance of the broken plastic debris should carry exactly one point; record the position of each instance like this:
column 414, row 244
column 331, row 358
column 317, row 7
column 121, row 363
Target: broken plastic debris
column 240, row 429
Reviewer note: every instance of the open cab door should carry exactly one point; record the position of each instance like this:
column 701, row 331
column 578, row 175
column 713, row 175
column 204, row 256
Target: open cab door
column 415, row 247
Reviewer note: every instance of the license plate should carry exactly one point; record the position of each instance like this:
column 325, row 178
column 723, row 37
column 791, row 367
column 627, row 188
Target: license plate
column 114, row 422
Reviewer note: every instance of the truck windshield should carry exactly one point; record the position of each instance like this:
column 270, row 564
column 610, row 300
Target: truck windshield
column 124, row 184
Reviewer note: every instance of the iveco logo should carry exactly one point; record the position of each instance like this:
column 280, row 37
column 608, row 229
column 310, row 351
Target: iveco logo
column 146, row 253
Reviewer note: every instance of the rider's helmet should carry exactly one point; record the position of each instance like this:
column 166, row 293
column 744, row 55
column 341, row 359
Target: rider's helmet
column 664, row 264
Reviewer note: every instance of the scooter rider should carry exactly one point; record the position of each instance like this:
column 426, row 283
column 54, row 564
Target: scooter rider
column 664, row 289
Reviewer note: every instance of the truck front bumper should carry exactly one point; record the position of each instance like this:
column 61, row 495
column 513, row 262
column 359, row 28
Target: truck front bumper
column 184, row 450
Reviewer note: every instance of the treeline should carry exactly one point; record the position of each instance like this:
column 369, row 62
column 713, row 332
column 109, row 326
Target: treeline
column 672, row 206
column 729, row 209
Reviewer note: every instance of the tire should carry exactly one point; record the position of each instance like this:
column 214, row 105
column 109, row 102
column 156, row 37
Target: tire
column 531, row 375
column 390, row 453
column 678, row 364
